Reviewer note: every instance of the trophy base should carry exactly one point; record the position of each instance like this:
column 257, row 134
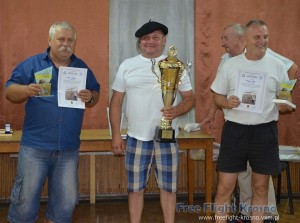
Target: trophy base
column 165, row 135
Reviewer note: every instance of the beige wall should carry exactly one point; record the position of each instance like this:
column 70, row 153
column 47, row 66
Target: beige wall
column 24, row 30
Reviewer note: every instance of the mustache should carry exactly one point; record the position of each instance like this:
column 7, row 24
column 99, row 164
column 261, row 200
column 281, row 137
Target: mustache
column 68, row 49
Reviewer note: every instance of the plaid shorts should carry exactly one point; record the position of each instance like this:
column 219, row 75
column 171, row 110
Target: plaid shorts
column 140, row 155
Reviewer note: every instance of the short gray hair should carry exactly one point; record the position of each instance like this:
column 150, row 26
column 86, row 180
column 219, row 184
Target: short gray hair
column 59, row 26
column 238, row 29
column 255, row 22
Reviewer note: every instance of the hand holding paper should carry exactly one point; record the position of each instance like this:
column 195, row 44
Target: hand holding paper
column 284, row 96
column 281, row 101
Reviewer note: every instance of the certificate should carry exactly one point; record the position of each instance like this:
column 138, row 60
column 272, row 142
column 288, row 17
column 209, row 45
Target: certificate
column 250, row 88
column 70, row 81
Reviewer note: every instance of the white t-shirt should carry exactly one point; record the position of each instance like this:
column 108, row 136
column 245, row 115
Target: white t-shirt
column 144, row 95
column 227, row 77
column 287, row 62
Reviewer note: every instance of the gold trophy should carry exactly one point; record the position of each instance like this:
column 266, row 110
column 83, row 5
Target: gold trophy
column 171, row 70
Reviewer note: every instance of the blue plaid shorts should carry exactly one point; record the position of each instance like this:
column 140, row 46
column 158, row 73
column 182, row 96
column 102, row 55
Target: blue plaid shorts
column 140, row 155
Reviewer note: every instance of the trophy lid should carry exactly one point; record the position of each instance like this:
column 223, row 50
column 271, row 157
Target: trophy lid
column 172, row 52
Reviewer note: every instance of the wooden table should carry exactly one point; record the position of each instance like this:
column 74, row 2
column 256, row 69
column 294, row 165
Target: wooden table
column 99, row 140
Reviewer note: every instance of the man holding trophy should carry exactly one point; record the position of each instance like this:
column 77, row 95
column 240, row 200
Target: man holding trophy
column 151, row 81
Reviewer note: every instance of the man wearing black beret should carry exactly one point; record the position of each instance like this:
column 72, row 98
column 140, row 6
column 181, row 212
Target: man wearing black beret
column 144, row 110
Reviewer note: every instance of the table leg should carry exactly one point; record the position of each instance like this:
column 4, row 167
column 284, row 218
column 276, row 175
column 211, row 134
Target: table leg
column 208, row 171
column 92, row 178
column 191, row 178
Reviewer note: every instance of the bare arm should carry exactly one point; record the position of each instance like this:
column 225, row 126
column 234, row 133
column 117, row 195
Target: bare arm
column 293, row 72
column 186, row 104
column 18, row 93
column 115, row 113
column 223, row 102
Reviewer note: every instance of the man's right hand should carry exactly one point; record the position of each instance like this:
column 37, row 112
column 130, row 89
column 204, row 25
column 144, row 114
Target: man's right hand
column 33, row 90
column 118, row 145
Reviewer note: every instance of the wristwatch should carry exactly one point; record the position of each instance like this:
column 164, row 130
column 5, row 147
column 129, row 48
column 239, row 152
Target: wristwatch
column 92, row 99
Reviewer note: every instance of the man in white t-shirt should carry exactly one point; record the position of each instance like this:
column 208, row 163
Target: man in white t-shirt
column 234, row 44
column 144, row 110
column 250, row 130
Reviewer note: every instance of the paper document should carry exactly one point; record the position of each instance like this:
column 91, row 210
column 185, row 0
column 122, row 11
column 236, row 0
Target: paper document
column 70, row 81
column 281, row 101
column 250, row 89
